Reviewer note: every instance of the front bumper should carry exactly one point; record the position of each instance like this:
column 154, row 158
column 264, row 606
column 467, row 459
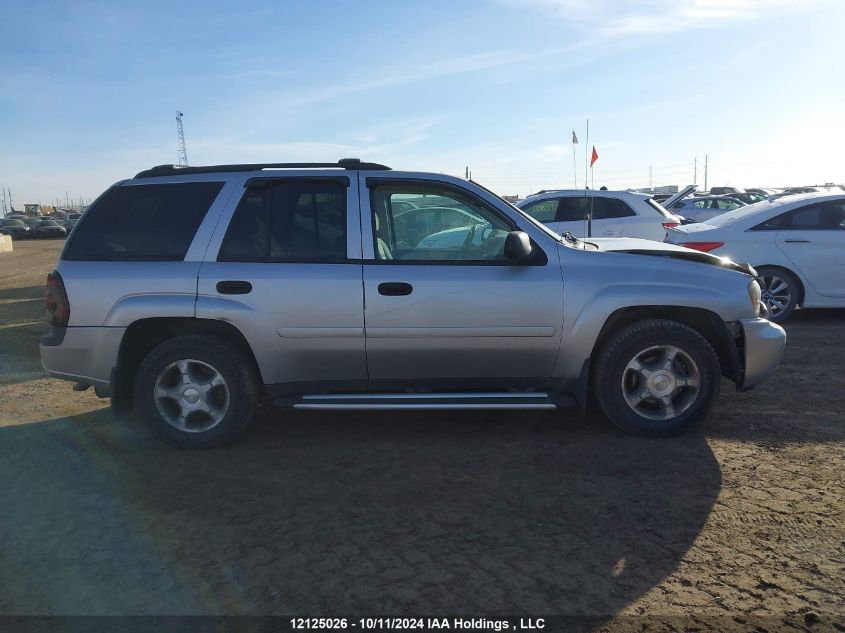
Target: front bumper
column 764, row 343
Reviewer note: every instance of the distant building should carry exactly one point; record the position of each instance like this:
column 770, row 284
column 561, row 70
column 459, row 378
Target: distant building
column 660, row 189
column 511, row 199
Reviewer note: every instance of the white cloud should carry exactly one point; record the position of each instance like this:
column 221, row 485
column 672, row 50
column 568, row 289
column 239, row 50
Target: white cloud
column 555, row 151
column 615, row 18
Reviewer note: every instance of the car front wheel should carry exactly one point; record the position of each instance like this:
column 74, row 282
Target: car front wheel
column 656, row 378
column 196, row 391
column 780, row 292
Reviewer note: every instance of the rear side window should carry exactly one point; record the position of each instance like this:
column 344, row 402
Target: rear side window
column 827, row 216
column 576, row 209
column 246, row 239
column 142, row 222
column 607, row 208
column 292, row 221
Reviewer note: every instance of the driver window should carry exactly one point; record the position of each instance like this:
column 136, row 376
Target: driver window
column 429, row 223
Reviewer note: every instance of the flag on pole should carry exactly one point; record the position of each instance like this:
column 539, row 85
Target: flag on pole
column 595, row 157
column 574, row 138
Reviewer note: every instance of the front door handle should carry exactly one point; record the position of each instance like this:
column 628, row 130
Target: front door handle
column 797, row 241
column 395, row 289
column 234, row 287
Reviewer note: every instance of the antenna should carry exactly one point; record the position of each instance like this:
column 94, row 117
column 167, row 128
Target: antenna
column 181, row 150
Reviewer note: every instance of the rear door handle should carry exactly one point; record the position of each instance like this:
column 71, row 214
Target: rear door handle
column 234, row 287
column 395, row 289
column 797, row 241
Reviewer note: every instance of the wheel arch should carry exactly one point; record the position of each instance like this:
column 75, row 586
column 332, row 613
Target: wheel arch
column 143, row 335
column 801, row 287
column 707, row 323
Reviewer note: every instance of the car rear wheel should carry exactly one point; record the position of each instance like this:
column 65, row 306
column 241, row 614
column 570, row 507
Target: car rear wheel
column 196, row 391
column 780, row 292
column 656, row 378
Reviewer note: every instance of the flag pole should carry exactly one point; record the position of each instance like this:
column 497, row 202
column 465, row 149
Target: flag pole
column 586, row 179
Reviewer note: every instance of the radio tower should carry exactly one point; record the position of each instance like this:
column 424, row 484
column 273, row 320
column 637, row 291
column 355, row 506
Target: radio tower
column 181, row 150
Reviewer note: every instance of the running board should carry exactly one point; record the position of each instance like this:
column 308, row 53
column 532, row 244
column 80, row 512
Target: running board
column 430, row 401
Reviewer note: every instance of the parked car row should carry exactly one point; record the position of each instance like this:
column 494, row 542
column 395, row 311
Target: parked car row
column 20, row 227
column 796, row 242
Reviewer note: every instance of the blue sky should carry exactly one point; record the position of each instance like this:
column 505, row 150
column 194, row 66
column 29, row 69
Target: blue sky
column 89, row 90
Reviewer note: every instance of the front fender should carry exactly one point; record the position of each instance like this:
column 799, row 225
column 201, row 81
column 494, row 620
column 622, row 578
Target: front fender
column 584, row 320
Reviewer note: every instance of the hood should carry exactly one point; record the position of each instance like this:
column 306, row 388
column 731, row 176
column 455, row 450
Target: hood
column 635, row 246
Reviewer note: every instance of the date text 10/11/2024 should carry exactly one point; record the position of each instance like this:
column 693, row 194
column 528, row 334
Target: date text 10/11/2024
column 419, row 624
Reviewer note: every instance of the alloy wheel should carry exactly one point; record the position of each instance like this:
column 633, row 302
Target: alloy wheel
column 776, row 294
column 661, row 382
column 191, row 395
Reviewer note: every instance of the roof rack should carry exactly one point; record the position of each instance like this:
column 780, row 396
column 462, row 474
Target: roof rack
column 176, row 170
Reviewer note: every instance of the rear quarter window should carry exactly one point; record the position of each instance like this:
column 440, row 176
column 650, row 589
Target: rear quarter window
column 142, row 222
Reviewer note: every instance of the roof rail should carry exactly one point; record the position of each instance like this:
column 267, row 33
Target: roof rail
column 176, row 170
column 544, row 191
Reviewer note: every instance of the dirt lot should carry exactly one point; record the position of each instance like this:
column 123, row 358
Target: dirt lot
column 482, row 513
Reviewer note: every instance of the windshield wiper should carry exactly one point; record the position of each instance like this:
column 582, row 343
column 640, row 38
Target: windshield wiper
column 570, row 238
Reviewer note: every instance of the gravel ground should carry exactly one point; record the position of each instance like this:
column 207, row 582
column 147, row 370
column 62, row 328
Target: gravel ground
column 737, row 525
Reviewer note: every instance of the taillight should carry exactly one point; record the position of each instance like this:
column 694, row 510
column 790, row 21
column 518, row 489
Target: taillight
column 670, row 225
column 55, row 299
column 703, row 246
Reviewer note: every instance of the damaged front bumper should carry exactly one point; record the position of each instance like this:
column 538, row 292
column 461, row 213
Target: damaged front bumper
column 764, row 343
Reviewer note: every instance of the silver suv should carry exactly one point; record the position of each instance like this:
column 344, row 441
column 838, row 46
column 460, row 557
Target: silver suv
column 190, row 293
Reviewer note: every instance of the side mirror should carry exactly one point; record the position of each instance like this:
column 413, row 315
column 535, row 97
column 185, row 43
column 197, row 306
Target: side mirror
column 517, row 246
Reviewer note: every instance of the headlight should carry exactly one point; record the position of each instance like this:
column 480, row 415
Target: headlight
column 755, row 293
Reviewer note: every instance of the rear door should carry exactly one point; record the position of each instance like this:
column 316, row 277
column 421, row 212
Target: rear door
column 286, row 271
column 448, row 306
column 813, row 238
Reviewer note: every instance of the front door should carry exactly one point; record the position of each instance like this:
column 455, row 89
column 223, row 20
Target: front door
column 442, row 301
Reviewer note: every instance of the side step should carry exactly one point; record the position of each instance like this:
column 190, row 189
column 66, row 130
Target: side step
column 399, row 401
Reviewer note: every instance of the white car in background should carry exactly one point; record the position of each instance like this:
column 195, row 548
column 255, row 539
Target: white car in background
column 615, row 213
column 796, row 243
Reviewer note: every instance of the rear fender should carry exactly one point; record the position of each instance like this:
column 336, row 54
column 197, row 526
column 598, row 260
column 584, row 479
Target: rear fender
column 133, row 308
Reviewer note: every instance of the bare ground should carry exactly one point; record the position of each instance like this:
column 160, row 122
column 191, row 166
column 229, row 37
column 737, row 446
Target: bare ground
column 740, row 523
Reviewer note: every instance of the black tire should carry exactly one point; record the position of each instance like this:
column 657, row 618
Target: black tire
column 768, row 275
column 636, row 339
column 241, row 385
